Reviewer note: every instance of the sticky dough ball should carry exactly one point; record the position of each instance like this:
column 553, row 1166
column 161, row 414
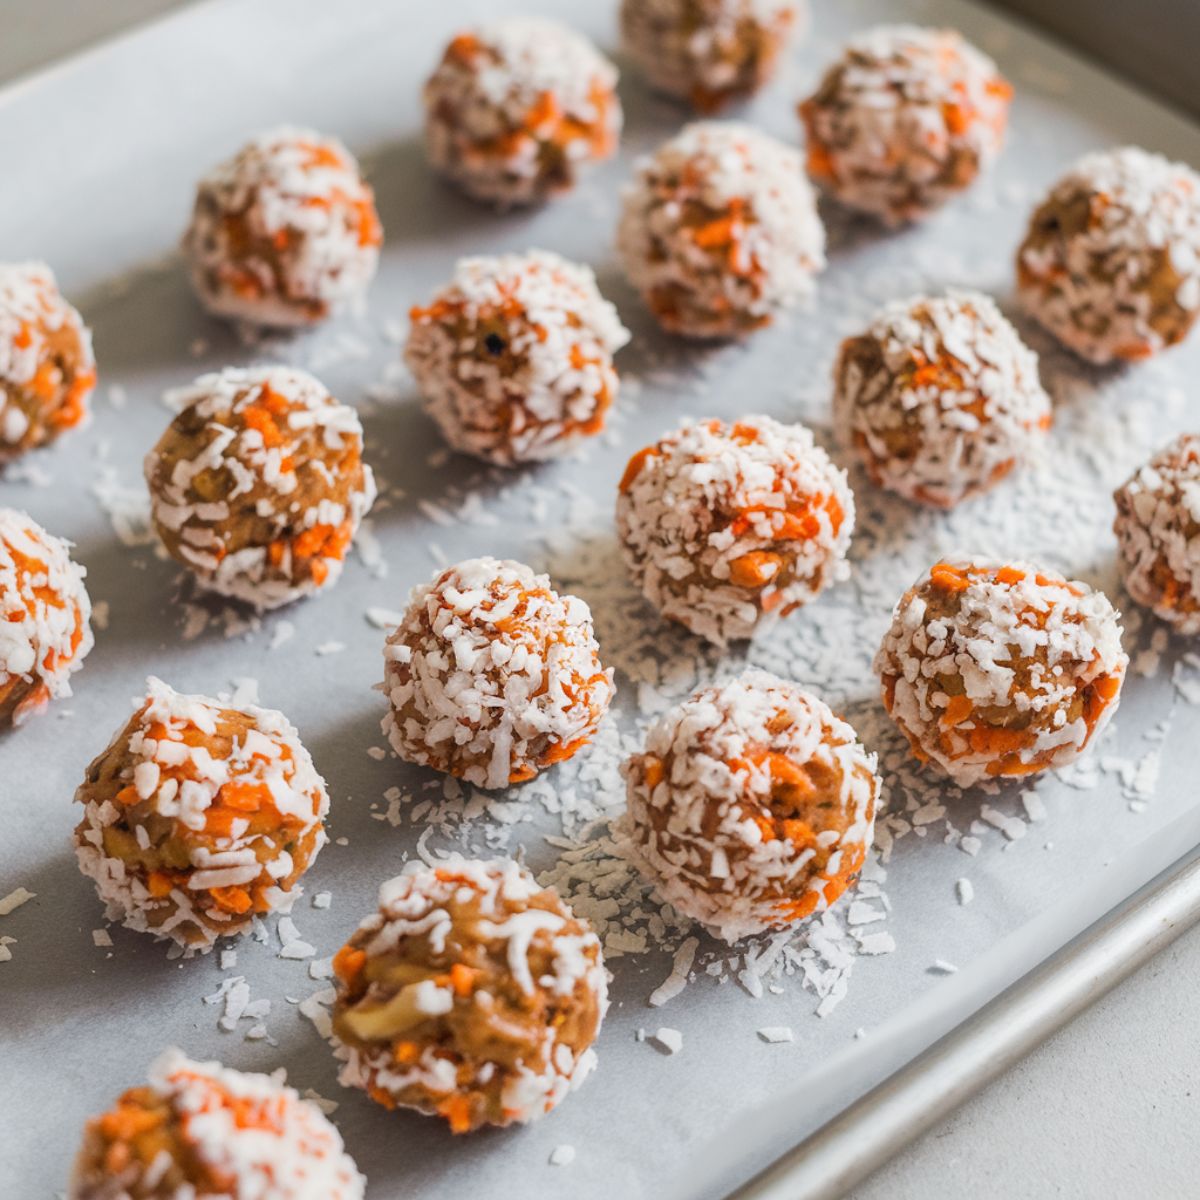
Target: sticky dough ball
column 285, row 233
column 258, row 485
column 198, row 817
column 940, row 397
column 198, row 1129
column 513, row 357
column 727, row 527
column 1158, row 531
column 472, row 994
column 47, row 369
column 904, row 120
column 492, row 675
column 752, row 806
column 708, row 52
column 44, row 614
column 516, row 110
column 997, row 670
column 719, row 231
column 1110, row 264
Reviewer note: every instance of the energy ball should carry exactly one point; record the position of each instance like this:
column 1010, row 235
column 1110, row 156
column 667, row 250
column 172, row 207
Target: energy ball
column 904, row 120
column 719, row 231
column 708, row 52
column 752, row 806
column 1158, row 532
column 514, row 357
column 492, row 675
column 44, row 614
column 994, row 671
column 940, row 397
column 473, row 994
column 258, row 485
column 47, row 370
column 201, row 1130
column 198, row 817
column 1111, row 262
column 515, row 111
column 285, row 233
column 727, row 527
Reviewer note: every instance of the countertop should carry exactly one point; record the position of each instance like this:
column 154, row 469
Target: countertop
column 1106, row 1107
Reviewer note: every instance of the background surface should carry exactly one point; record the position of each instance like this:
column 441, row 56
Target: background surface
column 1105, row 1107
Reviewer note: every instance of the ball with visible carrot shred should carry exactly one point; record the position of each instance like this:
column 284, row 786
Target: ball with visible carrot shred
column 47, row 370
column 258, row 485
column 1110, row 264
column 708, row 52
column 719, row 231
column 492, row 675
column 199, row 816
column 940, row 397
column 516, row 110
column 514, row 357
column 473, row 994
column 752, row 806
column 996, row 671
column 727, row 527
column 904, row 120
column 285, row 233
column 201, row 1131
column 1158, row 531
column 44, row 614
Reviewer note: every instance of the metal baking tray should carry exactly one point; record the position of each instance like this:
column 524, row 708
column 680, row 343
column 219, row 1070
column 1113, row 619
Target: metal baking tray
column 1073, row 884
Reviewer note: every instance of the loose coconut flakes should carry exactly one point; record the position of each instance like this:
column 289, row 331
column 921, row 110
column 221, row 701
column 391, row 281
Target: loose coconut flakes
column 1057, row 511
column 1061, row 501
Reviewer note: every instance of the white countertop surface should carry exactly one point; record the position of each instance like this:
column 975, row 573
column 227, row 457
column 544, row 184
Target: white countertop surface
column 1105, row 1108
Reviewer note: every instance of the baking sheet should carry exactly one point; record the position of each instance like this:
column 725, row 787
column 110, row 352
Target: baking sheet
column 101, row 155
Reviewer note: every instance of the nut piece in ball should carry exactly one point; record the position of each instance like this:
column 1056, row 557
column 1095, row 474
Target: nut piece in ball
column 708, row 52
column 199, row 1129
column 1111, row 262
column 473, row 994
column 513, row 357
column 1000, row 670
column 258, row 485
column 492, row 675
column 727, row 527
column 752, row 806
column 940, row 398
column 719, row 231
column 285, row 233
column 47, row 371
column 44, row 614
column 1158, row 531
column 198, row 817
column 515, row 111
column 904, row 120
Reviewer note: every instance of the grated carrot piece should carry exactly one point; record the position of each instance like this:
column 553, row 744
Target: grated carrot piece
column 405, row 1053
column 634, row 467
column 652, row 771
column 348, row 963
column 754, row 568
column 243, row 796
column 159, row 884
column 231, row 899
column 261, row 420
column 957, row 711
column 126, row 1121
column 456, row 1110
column 949, row 578
column 462, row 979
